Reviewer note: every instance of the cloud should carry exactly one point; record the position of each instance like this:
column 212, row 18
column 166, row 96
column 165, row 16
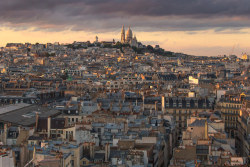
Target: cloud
column 109, row 15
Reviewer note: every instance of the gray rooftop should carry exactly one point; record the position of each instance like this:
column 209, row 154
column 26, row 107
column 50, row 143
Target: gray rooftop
column 25, row 115
column 9, row 108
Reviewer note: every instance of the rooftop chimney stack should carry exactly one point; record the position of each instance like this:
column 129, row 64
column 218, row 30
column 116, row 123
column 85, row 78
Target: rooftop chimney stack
column 107, row 152
column 206, row 130
column 49, row 126
column 92, row 151
column 37, row 118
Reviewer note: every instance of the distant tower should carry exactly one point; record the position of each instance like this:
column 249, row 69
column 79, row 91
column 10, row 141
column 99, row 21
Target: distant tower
column 123, row 35
column 129, row 36
column 96, row 39
column 134, row 42
column 135, row 38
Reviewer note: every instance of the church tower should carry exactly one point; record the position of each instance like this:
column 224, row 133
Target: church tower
column 123, row 35
column 96, row 39
column 132, row 41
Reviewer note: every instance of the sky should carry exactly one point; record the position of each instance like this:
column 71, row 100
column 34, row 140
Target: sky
column 197, row 27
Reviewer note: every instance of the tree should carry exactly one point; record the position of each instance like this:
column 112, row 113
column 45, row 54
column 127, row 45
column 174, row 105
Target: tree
column 150, row 48
column 65, row 75
column 137, row 50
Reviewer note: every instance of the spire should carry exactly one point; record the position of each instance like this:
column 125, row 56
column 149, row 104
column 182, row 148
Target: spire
column 96, row 39
column 123, row 35
column 135, row 37
column 123, row 31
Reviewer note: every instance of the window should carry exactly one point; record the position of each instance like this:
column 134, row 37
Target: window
column 202, row 149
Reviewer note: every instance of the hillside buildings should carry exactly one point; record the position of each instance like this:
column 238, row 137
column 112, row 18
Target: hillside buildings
column 111, row 104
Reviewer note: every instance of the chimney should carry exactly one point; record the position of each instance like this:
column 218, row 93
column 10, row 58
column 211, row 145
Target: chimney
column 206, row 130
column 66, row 121
column 120, row 105
column 5, row 134
column 107, row 152
column 123, row 95
column 111, row 105
column 34, row 153
column 92, row 150
column 163, row 104
column 49, row 126
column 37, row 118
column 99, row 106
column 149, row 119
column 125, row 126
column 143, row 98
column 79, row 107
column 156, row 106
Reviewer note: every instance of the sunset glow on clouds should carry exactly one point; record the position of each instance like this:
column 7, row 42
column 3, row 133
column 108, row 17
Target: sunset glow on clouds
column 200, row 27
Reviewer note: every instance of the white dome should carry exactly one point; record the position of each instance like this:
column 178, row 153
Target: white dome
column 129, row 33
